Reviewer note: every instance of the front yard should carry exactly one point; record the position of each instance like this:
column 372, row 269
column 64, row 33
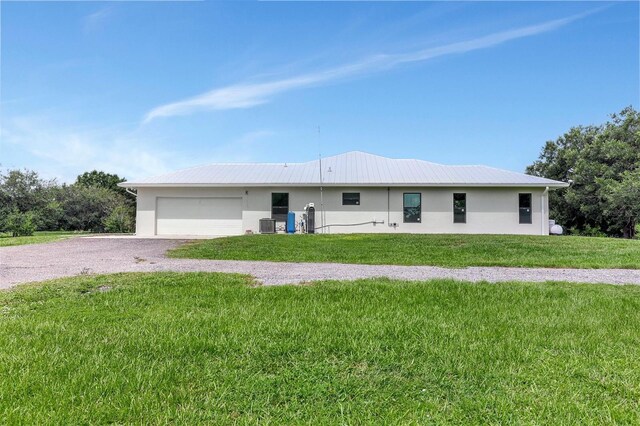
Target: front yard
column 413, row 249
column 212, row 348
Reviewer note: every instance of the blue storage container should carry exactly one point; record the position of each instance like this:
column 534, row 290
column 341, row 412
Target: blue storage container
column 291, row 223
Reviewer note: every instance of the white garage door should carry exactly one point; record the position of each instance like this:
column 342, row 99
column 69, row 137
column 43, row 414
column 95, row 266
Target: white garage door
column 199, row 216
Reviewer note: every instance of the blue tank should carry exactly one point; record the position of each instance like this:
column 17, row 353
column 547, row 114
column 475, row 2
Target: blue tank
column 291, row 223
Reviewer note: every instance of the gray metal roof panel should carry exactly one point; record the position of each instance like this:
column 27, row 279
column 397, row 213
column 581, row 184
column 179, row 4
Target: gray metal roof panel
column 351, row 168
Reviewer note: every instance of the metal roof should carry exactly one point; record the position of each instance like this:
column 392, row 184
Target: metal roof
column 354, row 168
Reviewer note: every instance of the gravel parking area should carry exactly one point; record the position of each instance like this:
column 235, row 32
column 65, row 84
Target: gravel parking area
column 91, row 255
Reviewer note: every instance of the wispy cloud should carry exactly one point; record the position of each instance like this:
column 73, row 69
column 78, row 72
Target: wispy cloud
column 246, row 95
column 95, row 20
column 64, row 153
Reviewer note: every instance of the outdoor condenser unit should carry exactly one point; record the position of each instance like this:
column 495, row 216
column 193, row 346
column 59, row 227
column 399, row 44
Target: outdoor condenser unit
column 267, row 226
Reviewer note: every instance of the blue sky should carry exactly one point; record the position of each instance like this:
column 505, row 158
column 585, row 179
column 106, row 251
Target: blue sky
column 143, row 88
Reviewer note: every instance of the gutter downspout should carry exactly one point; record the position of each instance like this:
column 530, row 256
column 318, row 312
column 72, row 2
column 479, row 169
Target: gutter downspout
column 388, row 205
column 542, row 209
column 321, row 199
column 135, row 194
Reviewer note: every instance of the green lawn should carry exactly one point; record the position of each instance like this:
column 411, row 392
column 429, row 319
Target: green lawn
column 36, row 238
column 412, row 249
column 210, row 348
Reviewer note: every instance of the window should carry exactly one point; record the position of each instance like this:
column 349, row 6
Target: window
column 279, row 206
column 459, row 208
column 412, row 207
column 525, row 208
column 350, row 198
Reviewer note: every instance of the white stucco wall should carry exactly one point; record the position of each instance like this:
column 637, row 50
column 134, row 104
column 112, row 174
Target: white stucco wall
column 489, row 210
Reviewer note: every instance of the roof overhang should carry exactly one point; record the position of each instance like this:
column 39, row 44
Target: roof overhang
column 551, row 185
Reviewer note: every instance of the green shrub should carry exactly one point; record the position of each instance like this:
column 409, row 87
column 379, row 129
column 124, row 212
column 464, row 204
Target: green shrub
column 20, row 224
column 84, row 206
column 588, row 231
column 592, row 231
column 49, row 216
column 119, row 220
column 85, row 209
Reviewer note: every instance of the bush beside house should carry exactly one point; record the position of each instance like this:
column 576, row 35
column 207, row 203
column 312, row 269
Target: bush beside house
column 93, row 203
column 603, row 162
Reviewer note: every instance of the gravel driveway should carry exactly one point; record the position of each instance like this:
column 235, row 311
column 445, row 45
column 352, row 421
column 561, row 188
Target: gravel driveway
column 74, row 256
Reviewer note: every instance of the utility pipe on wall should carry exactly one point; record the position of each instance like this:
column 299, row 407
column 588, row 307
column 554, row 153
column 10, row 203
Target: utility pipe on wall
column 374, row 222
column 322, row 221
column 389, row 205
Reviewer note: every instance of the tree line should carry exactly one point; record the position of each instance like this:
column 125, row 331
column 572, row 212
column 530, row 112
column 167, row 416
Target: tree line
column 602, row 165
column 92, row 203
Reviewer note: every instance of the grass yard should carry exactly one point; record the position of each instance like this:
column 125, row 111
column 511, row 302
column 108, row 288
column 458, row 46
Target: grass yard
column 211, row 348
column 412, row 249
column 37, row 237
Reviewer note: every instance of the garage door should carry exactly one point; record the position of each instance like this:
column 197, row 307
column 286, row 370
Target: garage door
column 199, row 216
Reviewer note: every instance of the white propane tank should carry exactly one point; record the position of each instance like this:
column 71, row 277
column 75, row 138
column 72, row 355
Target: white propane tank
column 556, row 230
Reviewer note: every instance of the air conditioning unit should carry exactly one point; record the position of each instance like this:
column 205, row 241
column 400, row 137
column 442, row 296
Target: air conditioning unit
column 267, row 226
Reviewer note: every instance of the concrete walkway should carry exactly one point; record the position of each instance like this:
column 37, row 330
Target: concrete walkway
column 75, row 256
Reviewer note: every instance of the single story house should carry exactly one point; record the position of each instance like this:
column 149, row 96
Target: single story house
column 351, row 192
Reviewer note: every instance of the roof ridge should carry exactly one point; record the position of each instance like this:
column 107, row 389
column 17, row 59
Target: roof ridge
column 353, row 167
column 502, row 170
column 356, row 151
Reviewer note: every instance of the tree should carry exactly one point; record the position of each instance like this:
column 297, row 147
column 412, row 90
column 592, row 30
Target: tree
column 85, row 208
column 28, row 201
column 623, row 202
column 20, row 224
column 24, row 191
column 617, row 159
column 599, row 160
column 99, row 179
column 119, row 220
column 120, row 216
column 50, row 215
column 558, row 161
